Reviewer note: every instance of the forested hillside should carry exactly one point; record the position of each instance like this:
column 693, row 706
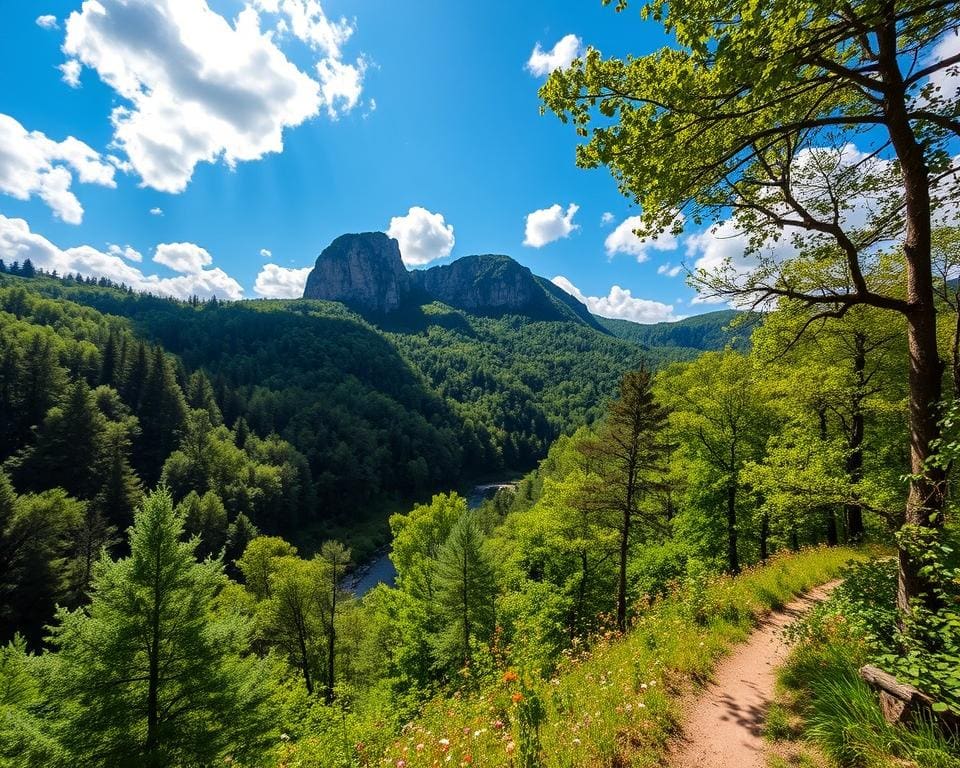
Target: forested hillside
column 342, row 416
column 687, row 338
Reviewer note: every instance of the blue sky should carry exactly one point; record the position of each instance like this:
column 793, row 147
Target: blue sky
column 365, row 110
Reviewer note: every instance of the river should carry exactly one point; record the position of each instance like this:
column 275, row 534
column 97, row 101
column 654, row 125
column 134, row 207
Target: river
column 380, row 569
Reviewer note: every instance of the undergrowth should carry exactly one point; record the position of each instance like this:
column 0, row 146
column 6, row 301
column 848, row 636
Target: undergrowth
column 613, row 702
column 821, row 681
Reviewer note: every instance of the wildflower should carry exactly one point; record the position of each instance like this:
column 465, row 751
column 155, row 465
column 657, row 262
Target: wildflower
column 510, row 747
column 467, row 759
column 420, row 747
column 517, row 697
column 401, row 764
column 576, row 742
column 510, row 676
column 498, row 724
column 284, row 737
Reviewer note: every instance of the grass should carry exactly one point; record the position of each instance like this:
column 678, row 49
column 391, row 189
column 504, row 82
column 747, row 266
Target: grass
column 841, row 715
column 617, row 703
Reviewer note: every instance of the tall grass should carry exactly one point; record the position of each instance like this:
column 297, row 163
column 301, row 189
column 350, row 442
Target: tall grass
column 839, row 711
column 617, row 702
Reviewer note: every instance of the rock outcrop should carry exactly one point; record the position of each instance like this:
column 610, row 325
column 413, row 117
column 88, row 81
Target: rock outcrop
column 483, row 283
column 363, row 271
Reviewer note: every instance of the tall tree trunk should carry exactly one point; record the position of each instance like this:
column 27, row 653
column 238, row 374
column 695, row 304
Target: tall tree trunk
column 153, row 674
column 925, row 500
column 466, row 611
column 332, row 636
column 733, row 559
column 764, row 536
column 828, row 511
column 622, row 578
column 854, row 462
column 305, row 659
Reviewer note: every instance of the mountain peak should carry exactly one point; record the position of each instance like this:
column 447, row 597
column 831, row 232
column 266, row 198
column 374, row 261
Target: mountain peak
column 362, row 270
column 366, row 272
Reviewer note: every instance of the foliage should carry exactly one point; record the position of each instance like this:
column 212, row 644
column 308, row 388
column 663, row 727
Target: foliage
column 147, row 672
column 839, row 712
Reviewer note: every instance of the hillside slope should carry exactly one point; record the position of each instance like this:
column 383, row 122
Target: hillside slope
column 688, row 337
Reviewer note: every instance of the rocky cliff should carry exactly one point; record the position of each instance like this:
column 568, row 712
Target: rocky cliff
column 364, row 271
column 483, row 283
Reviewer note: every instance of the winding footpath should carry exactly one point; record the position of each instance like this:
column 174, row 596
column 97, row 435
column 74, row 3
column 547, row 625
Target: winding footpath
column 723, row 726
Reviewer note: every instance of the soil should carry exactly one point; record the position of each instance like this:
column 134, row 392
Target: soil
column 723, row 725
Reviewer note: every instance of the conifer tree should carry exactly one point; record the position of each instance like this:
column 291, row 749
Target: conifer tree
column 148, row 674
column 465, row 592
column 69, row 444
column 121, row 492
column 162, row 414
column 337, row 558
column 630, row 453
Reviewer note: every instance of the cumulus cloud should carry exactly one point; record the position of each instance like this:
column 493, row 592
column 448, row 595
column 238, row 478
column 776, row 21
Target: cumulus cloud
column 670, row 270
column 197, row 88
column 32, row 164
column 182, row 257
column 18, row 242
column 47, row 21
column 607, row 218
column 620, row 304
column 543, row 62
column 156, row 211
column 70, row 72
column 549, row 224
column 266, row 253
column 341, row 83
column 275, row 282
column 423, row 236
column 624, row 239
column 128, row 252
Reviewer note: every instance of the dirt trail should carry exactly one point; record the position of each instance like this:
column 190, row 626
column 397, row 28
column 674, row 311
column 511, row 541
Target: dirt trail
column 723, row 726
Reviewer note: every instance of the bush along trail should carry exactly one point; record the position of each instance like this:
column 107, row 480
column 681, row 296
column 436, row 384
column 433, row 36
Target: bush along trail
column 619, row 701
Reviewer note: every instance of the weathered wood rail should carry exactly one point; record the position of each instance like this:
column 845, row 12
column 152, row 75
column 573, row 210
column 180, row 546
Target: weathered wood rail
column 901, row 702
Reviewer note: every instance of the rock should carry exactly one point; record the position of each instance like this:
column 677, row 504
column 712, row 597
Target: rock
column 363, row 271
column 484, row 283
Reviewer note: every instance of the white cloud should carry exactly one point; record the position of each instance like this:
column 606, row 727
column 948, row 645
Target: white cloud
column 607, row 218
column 549, row 224
column 31, row 164
column 47, row 21
column 624, row 239
column 543, row 62
column 620, row 304
column 182, row 257
column 669, row 270
column 341, row 83
column 266, row 253
column 946, row 82
column 423, row 236
column 18, row 243
column 275, row 282
column 156, row 211
column 128, row 252
column 198, row 87
column 70, row 72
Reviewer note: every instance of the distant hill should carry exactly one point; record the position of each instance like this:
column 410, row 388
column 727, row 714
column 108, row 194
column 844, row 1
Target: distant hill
column 687, row 338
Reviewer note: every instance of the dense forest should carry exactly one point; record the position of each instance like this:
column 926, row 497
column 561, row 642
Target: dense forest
column 176, row 475
column 708, row 466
